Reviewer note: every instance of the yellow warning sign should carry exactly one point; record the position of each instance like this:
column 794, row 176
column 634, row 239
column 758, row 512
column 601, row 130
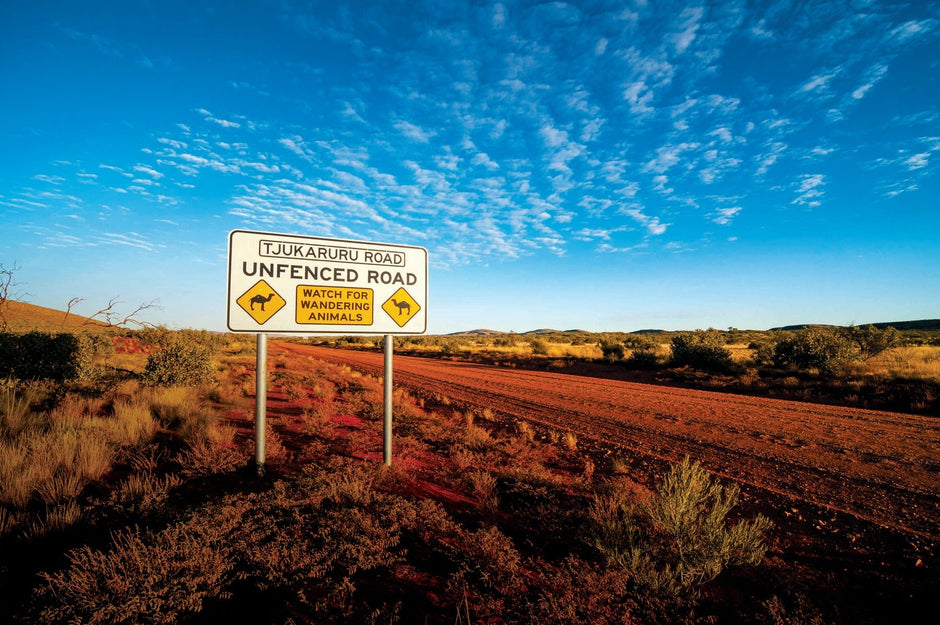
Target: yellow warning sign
column 401, row 307
column 330, row 305
column 261, row 302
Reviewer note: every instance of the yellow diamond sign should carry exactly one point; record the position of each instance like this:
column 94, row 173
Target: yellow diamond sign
column 401, row 307
column 261, row 302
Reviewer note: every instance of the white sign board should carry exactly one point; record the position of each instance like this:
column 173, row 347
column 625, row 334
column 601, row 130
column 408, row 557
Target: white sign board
column 309, row 285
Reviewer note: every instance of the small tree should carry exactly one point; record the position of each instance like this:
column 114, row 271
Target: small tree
column 612, row 350
column 539, row 347
column 870, row 341
column 7, row 284
column 701, row 350
column 814, row 347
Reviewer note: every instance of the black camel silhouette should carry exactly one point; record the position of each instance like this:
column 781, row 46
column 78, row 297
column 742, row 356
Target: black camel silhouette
column 260, row 299
column 402, row 306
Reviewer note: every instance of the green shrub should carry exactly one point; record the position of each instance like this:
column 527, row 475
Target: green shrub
column 825, row 349
column 763, row 352
column 870, row 341
column 182, row 360
column 701, row 350
column 539, row 347
column 44, row 355
column 642, row 359
column 612, row 351
column 680, row 538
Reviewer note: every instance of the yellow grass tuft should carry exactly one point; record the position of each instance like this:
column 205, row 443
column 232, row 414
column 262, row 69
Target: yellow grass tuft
column 570, row 441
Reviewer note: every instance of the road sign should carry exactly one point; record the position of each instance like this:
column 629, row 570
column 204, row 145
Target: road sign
column 286, row 283
column 401, row 307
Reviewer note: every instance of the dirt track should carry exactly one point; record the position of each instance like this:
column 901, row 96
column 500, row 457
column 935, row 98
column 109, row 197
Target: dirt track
column 879, row 466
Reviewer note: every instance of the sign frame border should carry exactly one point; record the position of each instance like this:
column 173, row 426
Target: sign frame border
column 321, row 332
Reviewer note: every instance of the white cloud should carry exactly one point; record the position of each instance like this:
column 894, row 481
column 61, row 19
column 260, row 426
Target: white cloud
column 413, row 132
column 639, row 97
column 215, row 120
column 552, row 136
column 760, row 31
column 724, row 134
column 690, row 17
column 129, row 239
column 499, row 15
column 652, row 225
column 872, row 77
column 810, row 191
column 723, row 216
column 820, row 82
column 917, row 161
column 912, row 29
column 144, row 169
column 668, row 156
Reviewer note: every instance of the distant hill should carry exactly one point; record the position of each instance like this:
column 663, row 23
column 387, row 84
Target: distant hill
column 920, row 324
column 23, row 317
column 478, row 332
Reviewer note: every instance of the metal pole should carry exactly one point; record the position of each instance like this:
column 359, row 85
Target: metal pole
column 389, row 341
column 261, row 400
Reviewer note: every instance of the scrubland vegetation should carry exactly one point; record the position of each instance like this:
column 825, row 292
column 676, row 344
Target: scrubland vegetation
column 863, row 366
column 125, row 497
column 126, row 494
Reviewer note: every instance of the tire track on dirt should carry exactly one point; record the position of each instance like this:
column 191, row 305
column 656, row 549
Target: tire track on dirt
column 879, row 466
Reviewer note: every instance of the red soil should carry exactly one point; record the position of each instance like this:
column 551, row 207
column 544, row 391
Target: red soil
column 879, row 467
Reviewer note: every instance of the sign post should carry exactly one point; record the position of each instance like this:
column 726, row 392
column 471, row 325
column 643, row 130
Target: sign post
column 387, row 424
column 261, row 399
column 285, row 283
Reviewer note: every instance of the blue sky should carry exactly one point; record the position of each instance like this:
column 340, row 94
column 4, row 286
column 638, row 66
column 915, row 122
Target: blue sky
column 596, row 165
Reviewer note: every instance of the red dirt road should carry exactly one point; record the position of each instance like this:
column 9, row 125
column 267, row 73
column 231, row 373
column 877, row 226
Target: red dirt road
column 882, row 467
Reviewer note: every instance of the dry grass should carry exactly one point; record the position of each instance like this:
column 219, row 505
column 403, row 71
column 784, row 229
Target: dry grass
column 570, row 441
column 912, row 363
column 477, row 438
column 525, row 431
column 54, row 465
column 23, row 317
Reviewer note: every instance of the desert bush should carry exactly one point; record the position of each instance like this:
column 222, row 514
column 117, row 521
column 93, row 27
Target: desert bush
column 612, row 351
column 763, row 352
column 525, row 430
column 539, row 347
column 578, row 591
column 642, row 359
column 702, row 349
column 142, row 492
column 477, row 438
column 42, row 355
column 869, row 341
column 680, row 538
column 141, row 579
column 821, row 348
column 506, row 340
column 181, row 360
column 207, row 457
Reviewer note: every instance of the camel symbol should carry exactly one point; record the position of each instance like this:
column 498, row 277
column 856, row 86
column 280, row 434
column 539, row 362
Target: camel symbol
column 260, row 299
column 402, row 306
